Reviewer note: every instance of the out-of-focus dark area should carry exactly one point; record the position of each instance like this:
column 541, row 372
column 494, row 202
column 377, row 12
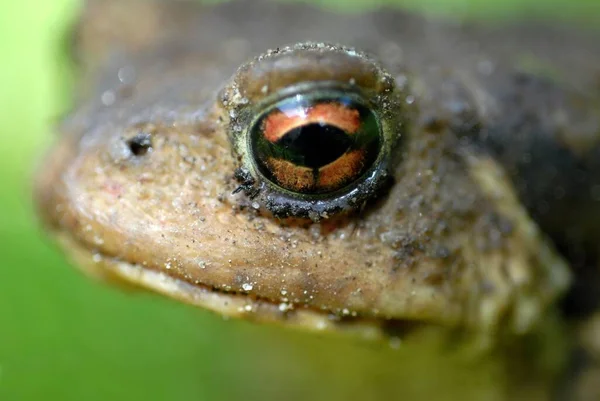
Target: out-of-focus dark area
column 65, row 337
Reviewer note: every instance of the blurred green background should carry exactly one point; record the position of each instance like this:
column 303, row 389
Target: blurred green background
column 64, row 337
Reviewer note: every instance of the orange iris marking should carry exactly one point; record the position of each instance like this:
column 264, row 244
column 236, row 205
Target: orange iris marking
column 341, row 170
column 279, row 123
column 292, row 176
column 331, row 176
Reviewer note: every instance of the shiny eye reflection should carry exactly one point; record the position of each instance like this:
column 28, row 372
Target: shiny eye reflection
column 315, row 145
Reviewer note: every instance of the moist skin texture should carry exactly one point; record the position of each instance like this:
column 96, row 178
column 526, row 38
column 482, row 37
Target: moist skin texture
column 492, row 167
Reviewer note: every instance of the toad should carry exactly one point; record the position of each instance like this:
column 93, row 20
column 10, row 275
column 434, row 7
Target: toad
column 380, row 175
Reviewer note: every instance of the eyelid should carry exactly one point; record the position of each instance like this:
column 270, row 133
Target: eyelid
column 313, row 63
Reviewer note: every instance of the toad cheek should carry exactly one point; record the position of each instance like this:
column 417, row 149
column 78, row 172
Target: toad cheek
column 166, row 219
column 168, row 222
column 175, row 228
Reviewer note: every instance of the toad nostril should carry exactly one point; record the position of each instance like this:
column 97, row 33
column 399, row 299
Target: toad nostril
column 140, row 144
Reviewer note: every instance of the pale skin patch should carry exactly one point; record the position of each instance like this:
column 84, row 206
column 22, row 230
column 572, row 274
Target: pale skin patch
column 495, row 184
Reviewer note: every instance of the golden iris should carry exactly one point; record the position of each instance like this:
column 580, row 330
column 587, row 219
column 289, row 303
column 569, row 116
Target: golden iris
column 315, row 145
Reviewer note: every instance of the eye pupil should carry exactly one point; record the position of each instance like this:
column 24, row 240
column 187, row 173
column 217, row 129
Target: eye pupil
column 315, row 145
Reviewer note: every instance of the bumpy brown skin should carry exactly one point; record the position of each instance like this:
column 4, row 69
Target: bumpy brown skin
column 449, row 245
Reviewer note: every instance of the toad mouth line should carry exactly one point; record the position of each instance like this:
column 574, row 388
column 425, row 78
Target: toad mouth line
column 231, row 304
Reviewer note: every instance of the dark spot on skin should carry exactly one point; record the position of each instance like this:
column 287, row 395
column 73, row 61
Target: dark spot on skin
column 435, row 278
column 505, row 226
column 140, row 144
column 399, row 328
column 246, row 181
column 492, row 228
column 487, row 287
column 126, row 91
column 434, row 124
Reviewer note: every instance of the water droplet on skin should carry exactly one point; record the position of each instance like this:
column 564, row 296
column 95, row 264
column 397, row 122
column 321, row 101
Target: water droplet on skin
column 126, row 74
column 321, row 325
column 108, row 98
column 395, row 342
column 401, row 81
column 247, row 287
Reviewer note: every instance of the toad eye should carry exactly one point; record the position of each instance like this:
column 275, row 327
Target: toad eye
column 316, row 130
column 314, row 144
